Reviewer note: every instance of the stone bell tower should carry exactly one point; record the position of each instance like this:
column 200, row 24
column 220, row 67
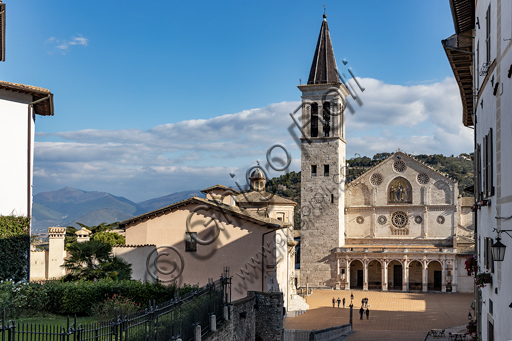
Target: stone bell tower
column 322, row 173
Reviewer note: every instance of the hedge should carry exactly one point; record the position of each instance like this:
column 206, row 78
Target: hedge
column 68, row 298
column 14, row 247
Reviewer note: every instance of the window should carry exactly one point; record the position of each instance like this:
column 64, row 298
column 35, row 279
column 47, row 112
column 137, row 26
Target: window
column 190, row 241
column 313, row 170
column 488, row 35
column 477, row 85
column 487, row 165
column 314, row 120
column 332, row 198
column 327, row 119
column 326, row 170
column 478, row 175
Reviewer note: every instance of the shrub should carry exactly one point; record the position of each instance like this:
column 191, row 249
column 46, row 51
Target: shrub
column 471, row 264
column 482, row 279
column 112, row 305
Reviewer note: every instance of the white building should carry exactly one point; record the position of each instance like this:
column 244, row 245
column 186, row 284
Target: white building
column 19, row 105
column 479, row 53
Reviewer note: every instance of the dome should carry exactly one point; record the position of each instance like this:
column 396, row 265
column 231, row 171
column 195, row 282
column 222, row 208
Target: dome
column 258, row 174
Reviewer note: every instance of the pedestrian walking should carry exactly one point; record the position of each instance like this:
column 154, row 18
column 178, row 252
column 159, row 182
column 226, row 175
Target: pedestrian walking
column 343, row 302
column 333, row 302
column 362, row 302
column 367, row 314
column 366, row 301
column 361, row 312
column 339, row 301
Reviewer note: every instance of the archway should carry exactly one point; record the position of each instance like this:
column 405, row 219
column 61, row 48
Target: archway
column 395, row 275
column 375, row 275
column 415, row 276
column 356, row 274
column 434, row 278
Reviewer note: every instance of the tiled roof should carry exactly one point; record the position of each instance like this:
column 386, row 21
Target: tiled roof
column 206, row 190
column 43, row 108
column 236, row 211
column 263, row 197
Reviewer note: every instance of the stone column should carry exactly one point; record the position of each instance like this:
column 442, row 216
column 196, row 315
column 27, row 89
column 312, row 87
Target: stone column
column 424, row 278
column 454, row 275
column 443, row 276
column 405, row 276
column 384, row 275
column 365, row 272
column 347, row 280
column 213, row 323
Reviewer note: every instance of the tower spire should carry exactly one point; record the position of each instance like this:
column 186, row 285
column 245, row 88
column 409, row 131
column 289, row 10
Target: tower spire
column 323, row 69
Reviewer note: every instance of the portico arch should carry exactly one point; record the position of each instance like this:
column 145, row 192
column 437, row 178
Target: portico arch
column 415, row 275
column 375, row 275
column 356, row 274
column 434, row 275
column 395, row 273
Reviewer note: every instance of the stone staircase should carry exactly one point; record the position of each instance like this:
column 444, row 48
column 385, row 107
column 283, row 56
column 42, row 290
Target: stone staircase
column 296, row 306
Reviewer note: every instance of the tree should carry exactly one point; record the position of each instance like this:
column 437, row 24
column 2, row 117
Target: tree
column 94, row 260
column 111, row 238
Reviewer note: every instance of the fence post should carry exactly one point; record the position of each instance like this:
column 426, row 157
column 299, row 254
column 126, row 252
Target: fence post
column 197, row 332
column 213, row 323
column 226, row 313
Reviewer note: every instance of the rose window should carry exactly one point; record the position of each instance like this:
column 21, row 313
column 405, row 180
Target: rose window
column 399, row 166
column 418, row 219
column 360, row 220
column 440, row 219
column 382, row 219
column 423, row 178
column 376, row 179
column 399, row 219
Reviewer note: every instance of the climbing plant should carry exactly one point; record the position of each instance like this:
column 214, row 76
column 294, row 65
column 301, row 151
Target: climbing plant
column 14, row 247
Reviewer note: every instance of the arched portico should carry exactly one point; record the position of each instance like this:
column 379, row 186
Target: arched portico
column 435, row 276
column 415, row 276
column 375, row 275
column 395, row 275
column 356, row 274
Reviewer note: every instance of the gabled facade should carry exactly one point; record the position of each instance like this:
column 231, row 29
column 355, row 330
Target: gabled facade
column 19, row 105
column 487, row 29
column 402, row 223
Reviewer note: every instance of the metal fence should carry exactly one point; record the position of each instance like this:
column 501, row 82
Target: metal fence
column 170, row 320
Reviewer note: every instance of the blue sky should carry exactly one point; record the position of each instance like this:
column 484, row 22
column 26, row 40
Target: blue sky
column 160, row 96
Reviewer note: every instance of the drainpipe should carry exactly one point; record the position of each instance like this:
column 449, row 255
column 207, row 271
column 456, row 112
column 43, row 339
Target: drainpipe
column 29, row 169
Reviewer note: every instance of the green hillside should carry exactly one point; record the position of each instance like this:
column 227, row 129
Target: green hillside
column 458, row 168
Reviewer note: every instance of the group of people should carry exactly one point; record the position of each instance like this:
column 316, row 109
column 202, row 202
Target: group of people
column 339, row 301
column 364, row 304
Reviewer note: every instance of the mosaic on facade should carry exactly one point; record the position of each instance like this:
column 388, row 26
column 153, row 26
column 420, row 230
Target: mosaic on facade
column 400, row 191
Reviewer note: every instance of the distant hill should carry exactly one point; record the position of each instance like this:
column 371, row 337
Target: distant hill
column 153, row 204
column 69, row 205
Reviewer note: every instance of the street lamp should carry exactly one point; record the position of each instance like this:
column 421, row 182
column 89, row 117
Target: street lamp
column 498, row 248
column 351, row 307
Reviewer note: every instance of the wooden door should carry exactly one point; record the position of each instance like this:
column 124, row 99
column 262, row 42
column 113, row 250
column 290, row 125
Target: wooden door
column 397, row 276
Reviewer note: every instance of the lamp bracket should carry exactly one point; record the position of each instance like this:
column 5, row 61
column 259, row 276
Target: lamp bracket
column 500, row 231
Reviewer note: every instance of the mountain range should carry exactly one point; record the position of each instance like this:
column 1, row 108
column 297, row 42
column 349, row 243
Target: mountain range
column 69, row 205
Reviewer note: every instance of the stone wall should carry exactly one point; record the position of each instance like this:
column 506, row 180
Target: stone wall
column 259, row 316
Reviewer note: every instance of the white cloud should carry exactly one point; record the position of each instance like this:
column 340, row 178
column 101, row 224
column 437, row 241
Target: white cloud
column 63, row 45
column 193, row 154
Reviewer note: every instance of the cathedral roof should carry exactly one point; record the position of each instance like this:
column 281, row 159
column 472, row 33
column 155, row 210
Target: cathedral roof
column 323, row 69
column 206, row 190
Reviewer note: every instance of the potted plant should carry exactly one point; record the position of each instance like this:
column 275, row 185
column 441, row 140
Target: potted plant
column 482, row 279
column 471, row 264
column 471, row 328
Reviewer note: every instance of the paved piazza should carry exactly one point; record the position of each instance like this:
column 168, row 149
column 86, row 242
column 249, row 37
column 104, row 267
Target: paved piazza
column 409, row 315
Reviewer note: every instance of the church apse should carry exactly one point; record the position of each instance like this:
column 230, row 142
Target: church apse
column 400, row 191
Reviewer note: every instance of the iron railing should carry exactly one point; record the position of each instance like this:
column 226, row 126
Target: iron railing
column 170, row 320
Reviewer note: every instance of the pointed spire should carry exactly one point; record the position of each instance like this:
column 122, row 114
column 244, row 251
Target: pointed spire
column 323, row 69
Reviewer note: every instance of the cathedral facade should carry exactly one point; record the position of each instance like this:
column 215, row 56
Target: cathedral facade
column 399, row 226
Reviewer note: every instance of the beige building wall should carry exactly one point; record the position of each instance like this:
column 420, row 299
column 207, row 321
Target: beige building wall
column 137, row 257
column 238, row 246
column 38, row 265
column 56, row 253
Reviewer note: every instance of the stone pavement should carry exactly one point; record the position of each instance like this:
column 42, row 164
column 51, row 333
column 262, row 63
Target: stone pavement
column 393, row 315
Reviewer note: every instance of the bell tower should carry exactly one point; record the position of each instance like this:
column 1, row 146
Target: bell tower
column 322, row 166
